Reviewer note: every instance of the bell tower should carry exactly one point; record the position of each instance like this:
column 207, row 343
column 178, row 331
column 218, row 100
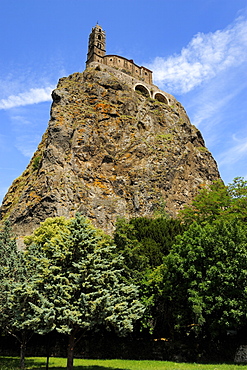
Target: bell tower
column 96, row 45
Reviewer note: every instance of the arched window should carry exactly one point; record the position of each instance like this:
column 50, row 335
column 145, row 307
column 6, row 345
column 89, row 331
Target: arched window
column 160, row 97
column 143, row 90
column 99, row 37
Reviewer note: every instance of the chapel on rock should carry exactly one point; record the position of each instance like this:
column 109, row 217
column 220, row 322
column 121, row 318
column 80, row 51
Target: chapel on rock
column 97, row 53
column 140, row 78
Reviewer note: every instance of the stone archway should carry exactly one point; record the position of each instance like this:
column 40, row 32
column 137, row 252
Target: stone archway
column 160, row 97
column 143, row 90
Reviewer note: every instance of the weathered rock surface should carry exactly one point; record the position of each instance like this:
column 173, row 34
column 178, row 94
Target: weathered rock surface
column 108, row 152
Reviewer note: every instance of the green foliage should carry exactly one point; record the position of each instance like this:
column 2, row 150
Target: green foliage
column 238, row 193
column 144, row 242
column 205, row 282
column 69, row 279
column 202, row 149
column 156, row 236
column 129, row 247
column 8, row 253
column 79, row 279
column 48, row 232
column 218, row 201
column 36, row 162
column 165, row 137
column 14, row 293
column 209, row 204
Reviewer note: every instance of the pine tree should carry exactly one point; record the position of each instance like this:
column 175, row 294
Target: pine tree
column 14, row 306
column 80, row 284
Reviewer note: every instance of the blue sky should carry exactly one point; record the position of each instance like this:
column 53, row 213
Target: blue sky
column 197, row 50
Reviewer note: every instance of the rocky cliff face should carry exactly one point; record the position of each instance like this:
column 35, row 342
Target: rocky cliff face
column 108, row 152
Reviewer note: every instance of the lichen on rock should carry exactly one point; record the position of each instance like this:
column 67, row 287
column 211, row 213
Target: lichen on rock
column 109, row 151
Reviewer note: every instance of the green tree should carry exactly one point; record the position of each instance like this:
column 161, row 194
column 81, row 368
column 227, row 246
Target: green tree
column 125, row 238
column 218, row 201
column 49, row 232
column 205, row 278
column 144, row 242
column 80, row 284
column 8, row 252
column 238, row 192
column 156, row 236
column 209, row 204
column 14, row 306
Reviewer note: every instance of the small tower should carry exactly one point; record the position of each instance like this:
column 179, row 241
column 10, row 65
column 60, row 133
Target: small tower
column 96, row 45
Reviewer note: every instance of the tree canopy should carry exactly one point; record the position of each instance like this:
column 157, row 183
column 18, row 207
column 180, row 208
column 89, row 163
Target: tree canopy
column 15, row 310
column 205, row 278
column 174, row 276
column 218, row 201
column 79, row 279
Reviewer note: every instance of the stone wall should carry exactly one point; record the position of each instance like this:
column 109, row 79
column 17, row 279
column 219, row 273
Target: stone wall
column 127, row 65
column 153, row 90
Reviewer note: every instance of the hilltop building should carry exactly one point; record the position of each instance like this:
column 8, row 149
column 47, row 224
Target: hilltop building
column 115, row 146
column 140, row 78
column 97, row 53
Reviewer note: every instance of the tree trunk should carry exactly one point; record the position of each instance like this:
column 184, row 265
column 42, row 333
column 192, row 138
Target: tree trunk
column 47, row 362
column 50, row 343
column 22, row 354
column 23, row 340
column 71, row 346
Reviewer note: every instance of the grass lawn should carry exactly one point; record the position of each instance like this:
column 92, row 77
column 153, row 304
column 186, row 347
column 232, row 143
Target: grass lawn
column 38, row 363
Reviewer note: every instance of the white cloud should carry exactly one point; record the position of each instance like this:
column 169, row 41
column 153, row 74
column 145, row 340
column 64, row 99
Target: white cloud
column 235, row 154
column 20, row 120
column 203, row 58
column 33, row 96
column 218, row 108
column 207, row 105
column 27, row 144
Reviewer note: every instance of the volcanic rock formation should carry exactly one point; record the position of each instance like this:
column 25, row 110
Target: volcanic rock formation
column 109, row 151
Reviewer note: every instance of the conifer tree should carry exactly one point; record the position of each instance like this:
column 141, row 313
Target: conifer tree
column 14, row 306
column 144, row 242
column 80, row 284
column 8, row 252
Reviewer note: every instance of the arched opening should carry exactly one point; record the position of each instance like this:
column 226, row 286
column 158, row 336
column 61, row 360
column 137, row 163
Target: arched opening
column 143, row 90
column 160, row 97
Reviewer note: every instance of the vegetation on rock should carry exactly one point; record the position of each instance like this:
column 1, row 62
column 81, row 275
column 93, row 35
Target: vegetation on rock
column 109, row 152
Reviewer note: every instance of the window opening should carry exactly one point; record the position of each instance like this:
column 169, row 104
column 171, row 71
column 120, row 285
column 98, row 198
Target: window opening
column 161, row 98
column 143, row 90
